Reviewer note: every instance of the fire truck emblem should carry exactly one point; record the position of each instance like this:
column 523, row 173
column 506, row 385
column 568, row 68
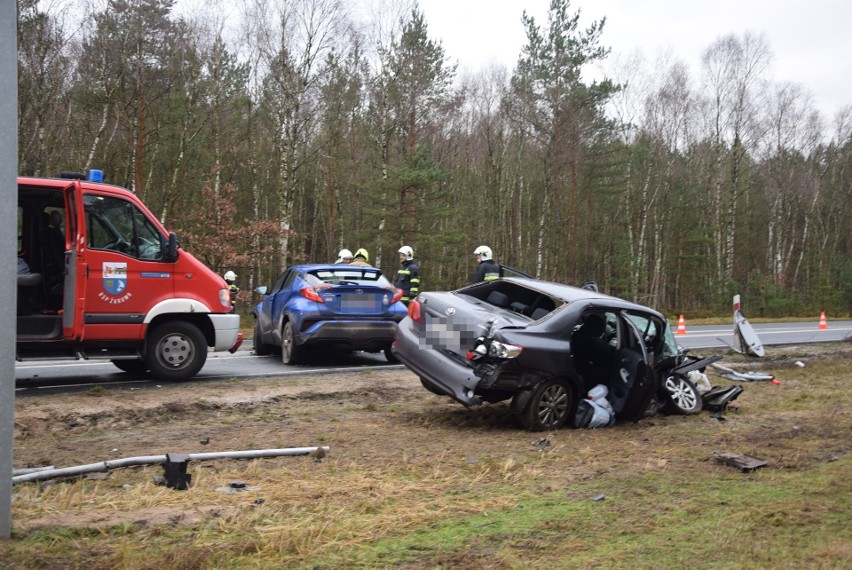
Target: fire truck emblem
column 115, row 278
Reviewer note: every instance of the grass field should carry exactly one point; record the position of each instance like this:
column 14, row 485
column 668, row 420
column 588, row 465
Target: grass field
column 416, row 481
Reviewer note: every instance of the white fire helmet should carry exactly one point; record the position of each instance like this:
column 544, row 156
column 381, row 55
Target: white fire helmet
column 483, row 251
column 230, row 276
column 407, row 251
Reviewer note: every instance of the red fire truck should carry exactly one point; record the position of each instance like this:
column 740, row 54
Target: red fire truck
column 99, row 277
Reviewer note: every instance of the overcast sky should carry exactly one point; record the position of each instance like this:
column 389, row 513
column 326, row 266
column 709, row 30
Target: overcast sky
column 811, row 40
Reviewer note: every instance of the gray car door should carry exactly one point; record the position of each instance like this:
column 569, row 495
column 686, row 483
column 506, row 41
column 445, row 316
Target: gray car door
column 633, row 384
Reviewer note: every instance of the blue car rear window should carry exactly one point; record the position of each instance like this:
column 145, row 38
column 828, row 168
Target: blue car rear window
column 346, row 276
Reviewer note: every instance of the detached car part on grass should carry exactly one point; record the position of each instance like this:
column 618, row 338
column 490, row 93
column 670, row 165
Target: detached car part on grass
column 337, row 307
column 544, row 345
column 731, row 374
column 42, row 474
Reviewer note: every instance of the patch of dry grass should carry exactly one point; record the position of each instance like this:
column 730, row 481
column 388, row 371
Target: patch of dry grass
column 414, row 481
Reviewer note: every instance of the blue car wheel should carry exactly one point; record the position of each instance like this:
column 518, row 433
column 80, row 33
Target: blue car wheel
column 260, row 347
column 290, row 353
column 390, row 356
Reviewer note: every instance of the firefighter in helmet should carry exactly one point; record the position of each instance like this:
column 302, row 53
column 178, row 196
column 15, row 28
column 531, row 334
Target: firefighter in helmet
column 362, row 258
column 230, row 279
column 408, row 275
column 487, row 269
column 344, row 256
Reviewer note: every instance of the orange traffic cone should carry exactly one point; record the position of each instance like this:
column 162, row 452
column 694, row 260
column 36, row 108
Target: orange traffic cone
column 822, row 323
column 681, row 326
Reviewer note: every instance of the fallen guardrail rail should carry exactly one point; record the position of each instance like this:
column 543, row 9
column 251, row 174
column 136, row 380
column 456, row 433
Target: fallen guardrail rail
column 175, row 464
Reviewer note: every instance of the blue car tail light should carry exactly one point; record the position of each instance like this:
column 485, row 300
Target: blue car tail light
column 397, row 294
column 312, row 293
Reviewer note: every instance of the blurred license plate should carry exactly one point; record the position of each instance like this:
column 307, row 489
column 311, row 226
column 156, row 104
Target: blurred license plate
column 358, row 302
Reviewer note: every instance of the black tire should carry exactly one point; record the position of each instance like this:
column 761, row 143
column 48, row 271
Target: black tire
column 260, row 347
column 389, row 355
column 175, row 351
column 550, row 405
column 135, row 366
column 290, row 353
column 681, row 397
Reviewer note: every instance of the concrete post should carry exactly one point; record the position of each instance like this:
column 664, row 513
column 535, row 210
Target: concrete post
column 8, row 246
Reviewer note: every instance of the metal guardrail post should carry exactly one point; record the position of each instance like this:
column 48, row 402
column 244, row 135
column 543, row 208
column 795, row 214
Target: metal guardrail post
column 8, row 245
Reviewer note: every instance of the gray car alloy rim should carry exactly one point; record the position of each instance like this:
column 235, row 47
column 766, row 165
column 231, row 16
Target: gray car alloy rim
column 681, row 393
column 553, row 405
column 175, row 350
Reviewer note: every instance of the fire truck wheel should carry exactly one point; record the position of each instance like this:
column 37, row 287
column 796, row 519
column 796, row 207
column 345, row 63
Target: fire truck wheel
column 135, row 366
column 175, row 351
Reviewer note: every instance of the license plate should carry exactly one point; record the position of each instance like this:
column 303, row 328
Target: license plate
column 358, row 302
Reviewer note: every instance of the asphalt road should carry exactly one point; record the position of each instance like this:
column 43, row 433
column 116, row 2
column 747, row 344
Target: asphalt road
column 39, row 375
column 721, row 336
column 220, row 365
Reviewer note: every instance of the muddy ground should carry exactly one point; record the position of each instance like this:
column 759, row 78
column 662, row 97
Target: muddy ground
column 374, row 419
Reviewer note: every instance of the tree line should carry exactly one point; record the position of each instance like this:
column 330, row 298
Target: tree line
column 303, row 127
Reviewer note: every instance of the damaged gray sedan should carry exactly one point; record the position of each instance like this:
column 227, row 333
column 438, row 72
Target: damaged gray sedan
column 545, row 346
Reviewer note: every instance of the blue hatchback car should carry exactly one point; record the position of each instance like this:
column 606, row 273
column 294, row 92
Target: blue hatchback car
column 341, row 307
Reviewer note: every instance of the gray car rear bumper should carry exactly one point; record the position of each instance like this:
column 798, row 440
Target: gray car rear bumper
column 440, row 372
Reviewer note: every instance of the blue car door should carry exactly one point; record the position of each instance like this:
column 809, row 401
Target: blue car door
column 281, row 301
column 269, row 314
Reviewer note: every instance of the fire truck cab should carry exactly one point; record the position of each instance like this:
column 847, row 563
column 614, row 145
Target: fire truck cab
column 99, row 277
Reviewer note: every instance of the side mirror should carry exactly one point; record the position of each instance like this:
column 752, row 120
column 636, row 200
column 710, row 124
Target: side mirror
column 261, row 290
column 170, row 253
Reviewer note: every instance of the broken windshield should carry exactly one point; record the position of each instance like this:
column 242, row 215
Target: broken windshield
column 657, row 335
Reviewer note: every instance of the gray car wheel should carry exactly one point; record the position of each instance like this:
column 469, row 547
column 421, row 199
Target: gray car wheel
column 290, row 353
column 549, row 406
column 681, row 396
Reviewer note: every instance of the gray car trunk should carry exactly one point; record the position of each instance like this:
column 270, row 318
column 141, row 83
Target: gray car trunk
column 452, row 324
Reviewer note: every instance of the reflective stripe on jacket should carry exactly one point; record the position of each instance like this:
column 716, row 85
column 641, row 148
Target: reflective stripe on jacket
column 233, row 289
column 487, row 270
column 408, row 279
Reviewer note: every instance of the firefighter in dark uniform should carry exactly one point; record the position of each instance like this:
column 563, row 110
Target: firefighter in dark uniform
column 230, row 279
column 487, row 269
column 408, row 275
